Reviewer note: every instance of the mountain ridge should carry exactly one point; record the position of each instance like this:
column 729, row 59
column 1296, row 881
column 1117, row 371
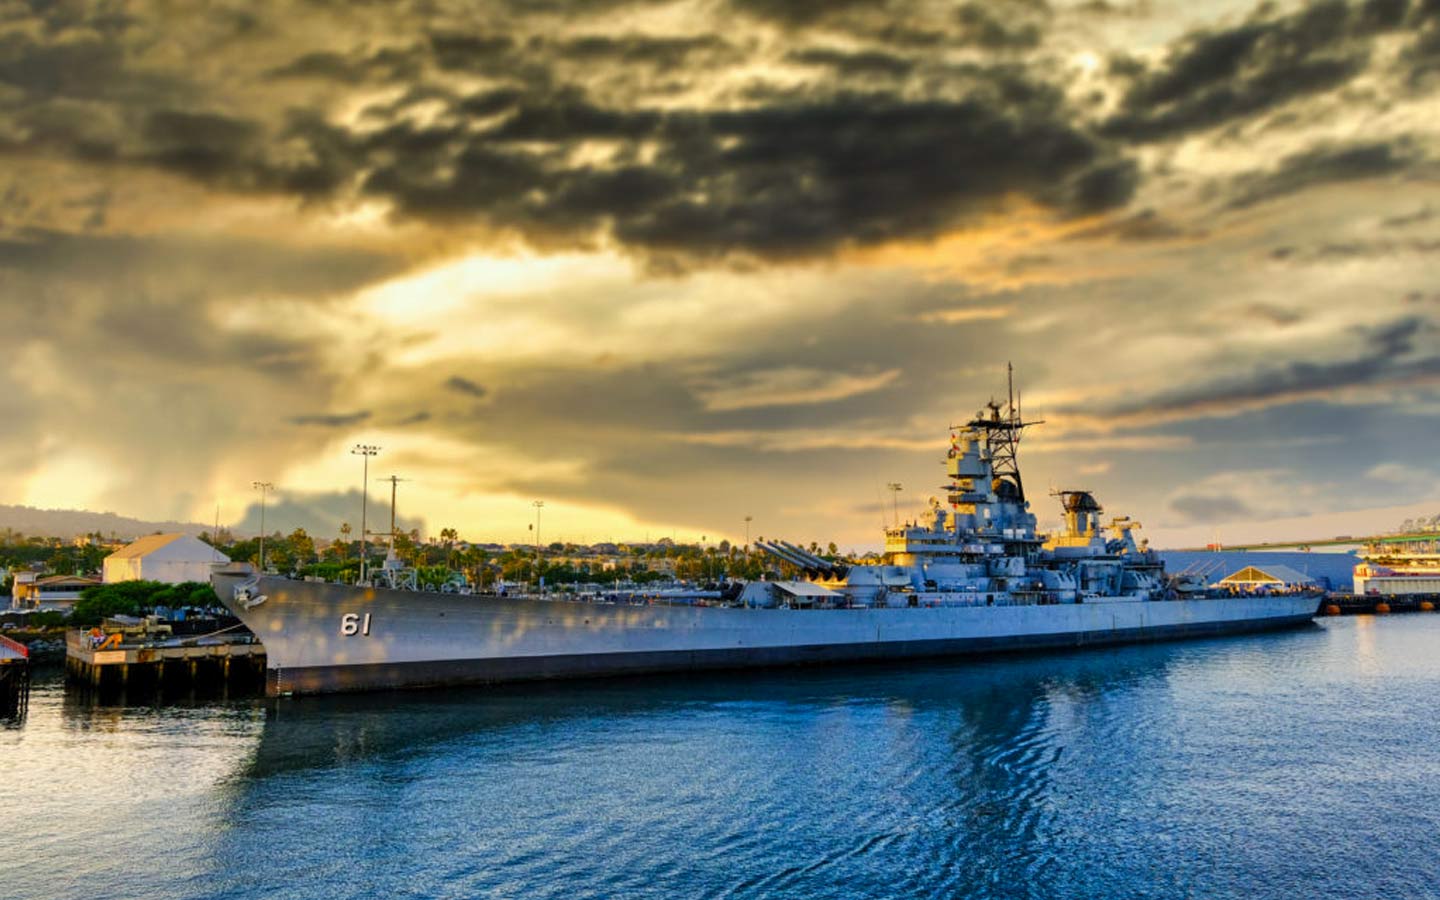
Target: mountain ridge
column 65, row 523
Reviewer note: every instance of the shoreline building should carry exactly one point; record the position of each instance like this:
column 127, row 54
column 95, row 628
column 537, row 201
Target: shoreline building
column 33, row 591
column 171, row 558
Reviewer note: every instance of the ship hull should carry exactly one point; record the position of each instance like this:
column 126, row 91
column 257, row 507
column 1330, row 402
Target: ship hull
column 323, row 638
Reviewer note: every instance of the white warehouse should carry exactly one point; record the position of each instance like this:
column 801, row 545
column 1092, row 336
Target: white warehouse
column 171, row 558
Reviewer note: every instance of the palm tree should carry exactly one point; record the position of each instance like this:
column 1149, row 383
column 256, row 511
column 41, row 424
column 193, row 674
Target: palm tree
column 449, row 536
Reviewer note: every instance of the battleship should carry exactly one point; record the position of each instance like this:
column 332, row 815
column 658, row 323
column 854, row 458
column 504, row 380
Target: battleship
column 972, row 576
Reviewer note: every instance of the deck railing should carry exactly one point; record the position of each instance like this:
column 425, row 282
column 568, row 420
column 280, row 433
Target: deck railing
column 16, row 646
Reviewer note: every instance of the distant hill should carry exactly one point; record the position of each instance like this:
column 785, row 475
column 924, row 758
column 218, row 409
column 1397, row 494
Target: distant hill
column 65, row 523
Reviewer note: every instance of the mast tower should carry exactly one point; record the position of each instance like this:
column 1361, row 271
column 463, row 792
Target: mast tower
column 1002, row 427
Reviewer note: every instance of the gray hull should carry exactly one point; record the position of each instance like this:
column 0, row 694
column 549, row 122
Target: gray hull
column 323, row 638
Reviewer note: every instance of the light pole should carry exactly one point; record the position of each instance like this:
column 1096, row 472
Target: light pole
column 365, row 451
column 263, row 487
column 895, row 488
column 539, row 505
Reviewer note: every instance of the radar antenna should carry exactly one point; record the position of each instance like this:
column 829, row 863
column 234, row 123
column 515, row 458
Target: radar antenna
column 1002, row 433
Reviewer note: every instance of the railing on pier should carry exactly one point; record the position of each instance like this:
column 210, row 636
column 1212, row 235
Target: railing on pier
column 13, row 649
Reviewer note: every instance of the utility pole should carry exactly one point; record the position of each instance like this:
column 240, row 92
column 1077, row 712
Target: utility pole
column 264, row 487
column 539, row 505
column 895, row 489
column 365, row 451
column 394, row 480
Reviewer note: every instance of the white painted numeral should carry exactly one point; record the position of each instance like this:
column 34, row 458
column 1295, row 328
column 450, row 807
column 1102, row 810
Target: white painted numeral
column 352, row 624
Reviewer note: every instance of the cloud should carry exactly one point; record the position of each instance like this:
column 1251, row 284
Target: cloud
column 960, row 314
column 796, row 177
column 321, row 514
column 1209, row 508
column 790, row 386
column 465, row 386
column 338, row 420
column 1397, row 472
column 1381, row 362
column 1243, row 495
column 855, row 64
column 1325, row 164
column 563, row 142
column 1217, row 75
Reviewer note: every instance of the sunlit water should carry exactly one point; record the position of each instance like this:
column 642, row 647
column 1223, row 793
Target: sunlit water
column 1300, row 764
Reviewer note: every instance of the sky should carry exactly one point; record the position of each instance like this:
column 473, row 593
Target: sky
column 669, row 265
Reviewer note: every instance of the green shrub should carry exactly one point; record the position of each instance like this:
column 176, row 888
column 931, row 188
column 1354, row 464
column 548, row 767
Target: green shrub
column 134, row 598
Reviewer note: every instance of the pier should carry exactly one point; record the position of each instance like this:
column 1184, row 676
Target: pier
column 1366, row 604
column 14, row 678
column 203, row 662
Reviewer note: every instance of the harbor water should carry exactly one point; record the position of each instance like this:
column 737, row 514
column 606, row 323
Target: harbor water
column 1301, row 763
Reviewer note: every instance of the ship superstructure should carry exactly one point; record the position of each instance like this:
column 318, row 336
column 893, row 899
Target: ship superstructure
column 972, row 576
column 984, row 549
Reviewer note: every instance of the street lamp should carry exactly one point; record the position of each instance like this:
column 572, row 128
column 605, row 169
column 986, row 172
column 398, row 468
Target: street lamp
column 365, row 451
column 263, row 487
column 895, row 488
column 539, row 505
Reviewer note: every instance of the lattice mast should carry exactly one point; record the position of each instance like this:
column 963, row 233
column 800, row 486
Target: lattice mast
column 1003, row 428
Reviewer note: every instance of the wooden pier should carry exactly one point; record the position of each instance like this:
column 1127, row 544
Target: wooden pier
column 211, row 661
column 14, row 678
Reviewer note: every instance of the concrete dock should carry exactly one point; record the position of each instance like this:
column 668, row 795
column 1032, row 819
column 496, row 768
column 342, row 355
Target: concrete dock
column 211, row 661
column 1364, row 604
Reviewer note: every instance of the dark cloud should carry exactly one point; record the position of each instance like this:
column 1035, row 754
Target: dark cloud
column 1280, row 317
column 855, row 64
column 231, row 264
column 1420, row 216
column 322, row 514
column 1422, row 57
column 470, row 51
column 415, row 418
column 1211, row 507
column 1215, row 76
column 794, row 172
column 790, row 178
column 389, row 64
column 1002, row 26
column 1325, row 164
column 465, row 386
column 664, row 53
column 337, row 420
column 802, row 12
column 1383, row 361
column 1357, row 249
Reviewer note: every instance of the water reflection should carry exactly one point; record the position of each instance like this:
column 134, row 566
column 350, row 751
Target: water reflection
column 789, row 782
column 991, row 703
